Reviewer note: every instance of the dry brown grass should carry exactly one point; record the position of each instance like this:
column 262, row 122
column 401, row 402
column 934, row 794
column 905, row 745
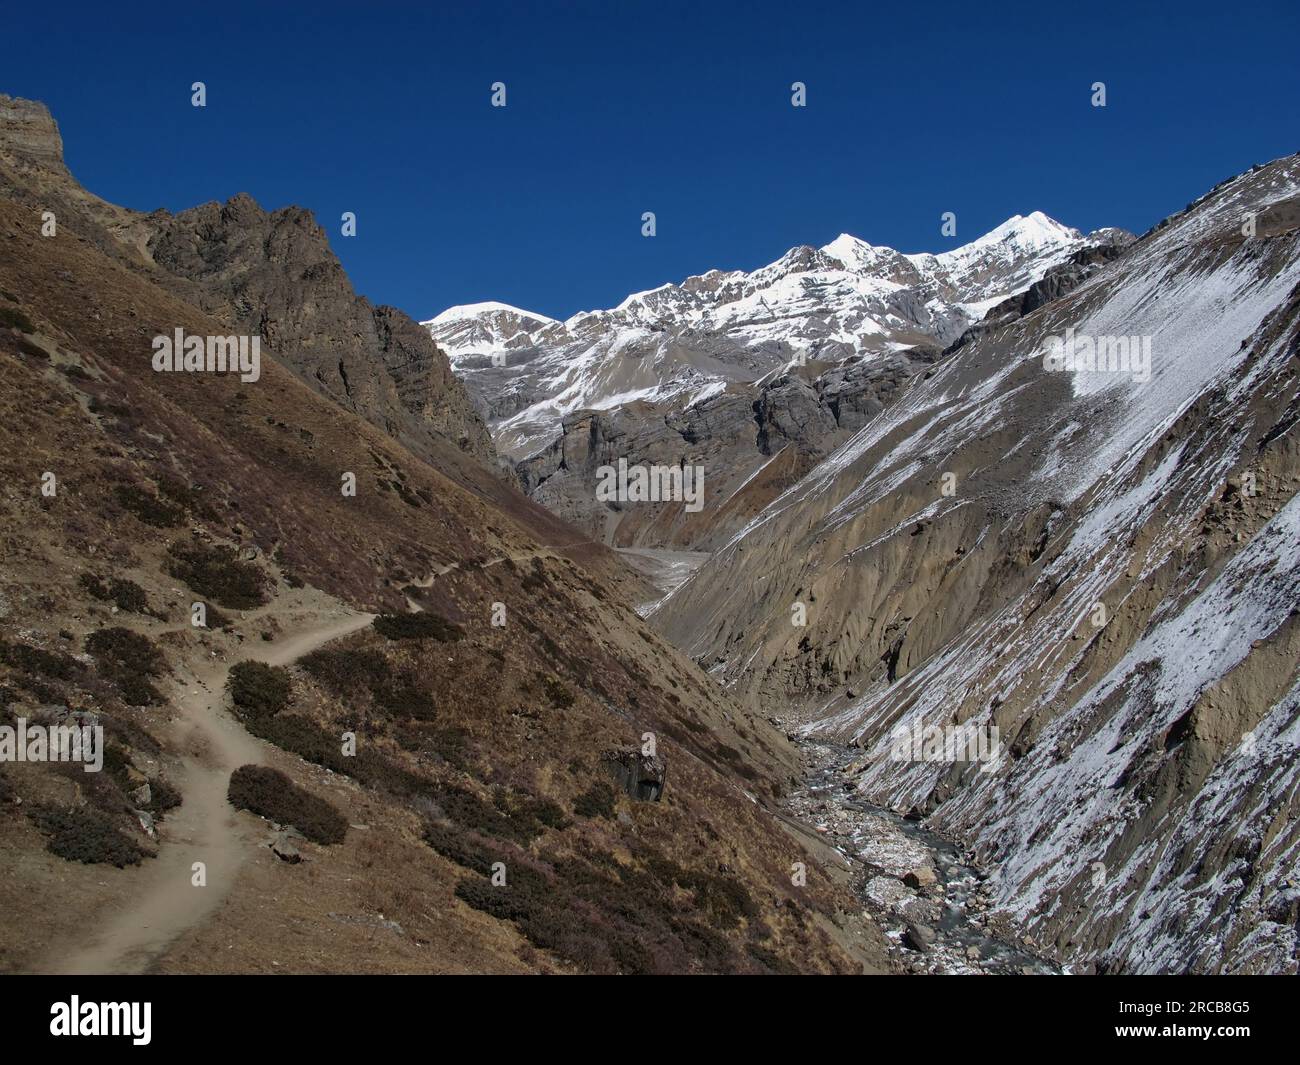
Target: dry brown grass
column 263, row 464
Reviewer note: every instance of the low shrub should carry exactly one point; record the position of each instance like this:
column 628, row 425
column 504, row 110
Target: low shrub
column 417, row 626
column 123, row 594
column 128, row 659
column 37, row 662
column 303, row 737
column 596, row 801
column 269, row 793
column 358, row 671
column 14, row 318
column 83, row 834
column 348, row 670
column 217, row 573
column 526, row 894
column 772, row 962
column 560, row 696
column 257, row 688
column 461, row 848
column 166, row 796
column 148, row 507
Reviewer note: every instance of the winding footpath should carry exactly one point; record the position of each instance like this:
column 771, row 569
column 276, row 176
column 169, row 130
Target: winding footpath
column 164, row 902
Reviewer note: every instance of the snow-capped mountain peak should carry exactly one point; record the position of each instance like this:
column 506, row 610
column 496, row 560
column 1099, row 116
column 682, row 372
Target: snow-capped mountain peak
column 484, row 309
column 683, row 341
column 490, row 329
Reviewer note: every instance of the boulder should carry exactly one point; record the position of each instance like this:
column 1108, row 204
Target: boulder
column 919, row 937
column 283, row 847
column 641, row 776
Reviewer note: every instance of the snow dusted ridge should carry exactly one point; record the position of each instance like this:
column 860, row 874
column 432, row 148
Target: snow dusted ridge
column 1145, row 814
column 485, row 328
column 681, row 343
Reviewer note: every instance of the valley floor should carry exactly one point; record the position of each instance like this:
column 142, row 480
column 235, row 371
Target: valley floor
column 931, row 900
column 665, row 569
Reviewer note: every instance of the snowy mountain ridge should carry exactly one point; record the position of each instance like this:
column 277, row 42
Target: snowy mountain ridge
column 682, row 343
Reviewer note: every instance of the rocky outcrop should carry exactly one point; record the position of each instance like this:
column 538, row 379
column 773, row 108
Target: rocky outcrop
column 29, row 136
column 273, row 274
column 797, row 418
column 266, row 273
column 640, row 776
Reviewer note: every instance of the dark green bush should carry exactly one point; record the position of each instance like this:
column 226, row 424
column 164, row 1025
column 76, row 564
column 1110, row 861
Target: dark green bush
column 39, row 663
column 403, row 699
column 418, row 626
column 461, row 848
column 269, row 793
column 772, row 962
column 128, row 659
column 356, row 672
column 348, row 670
column 216, row 572
column 165, row 795
column 526, row 893
column 125, row 595
column 305, row 738
column 86, row 835
column 531, row 813
column 257, row 688
column 148, row 507
column 560, row 696
column 14, row 318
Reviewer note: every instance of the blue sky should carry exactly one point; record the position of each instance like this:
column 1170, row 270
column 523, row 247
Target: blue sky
column 682, row 109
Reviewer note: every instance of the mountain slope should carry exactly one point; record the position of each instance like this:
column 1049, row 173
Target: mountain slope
column 1101, row 565
column 474, row 742
column 269, row 273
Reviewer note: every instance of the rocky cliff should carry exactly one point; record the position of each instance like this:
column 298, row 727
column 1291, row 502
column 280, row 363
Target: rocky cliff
column 266, row 273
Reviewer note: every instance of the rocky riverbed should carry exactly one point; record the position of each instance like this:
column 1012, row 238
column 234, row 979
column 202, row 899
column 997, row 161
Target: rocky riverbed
column 933, row 903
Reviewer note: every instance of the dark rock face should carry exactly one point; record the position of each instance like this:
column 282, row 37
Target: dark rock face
column 732, row 436
column 270, row 274
column 640, row 776
column 1057, row 282
column 789, row 411
column 273, row 274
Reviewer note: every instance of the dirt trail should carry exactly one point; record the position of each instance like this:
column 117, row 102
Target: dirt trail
column 442, row 571
column 541, row 552
column 163, row 900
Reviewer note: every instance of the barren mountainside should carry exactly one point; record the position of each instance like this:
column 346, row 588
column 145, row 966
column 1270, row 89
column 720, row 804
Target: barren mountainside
column 363, row 707
column 1101, row 563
